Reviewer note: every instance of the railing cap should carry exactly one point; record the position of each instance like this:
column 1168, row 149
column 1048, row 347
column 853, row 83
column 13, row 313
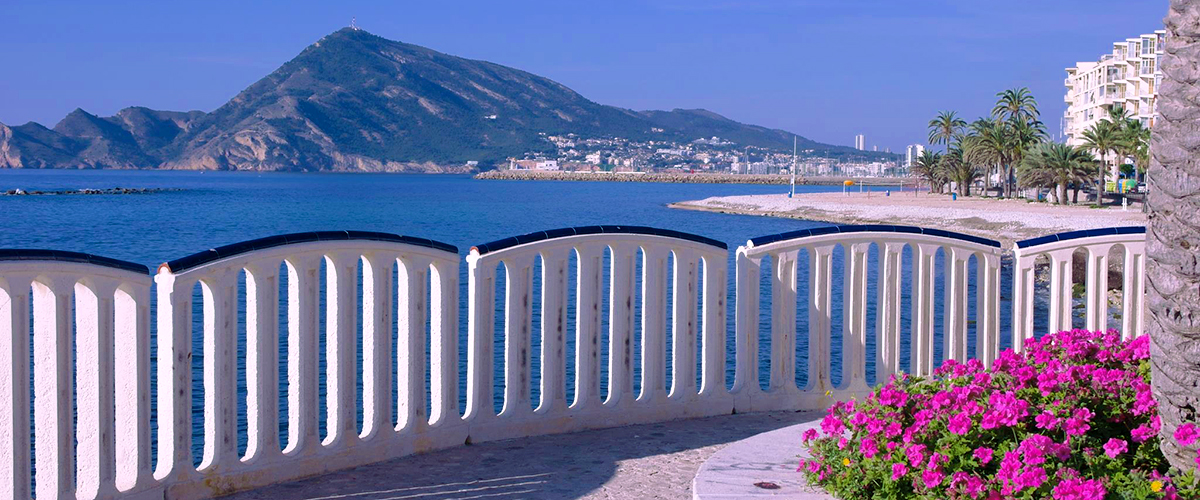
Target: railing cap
column 198, row 259
column 863, row 228
column 19, row 254
column 1082, row 233
column 513, row 241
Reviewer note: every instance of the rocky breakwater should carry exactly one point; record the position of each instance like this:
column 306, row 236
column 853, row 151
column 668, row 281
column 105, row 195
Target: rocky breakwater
column 85, row 191
column 678, row 177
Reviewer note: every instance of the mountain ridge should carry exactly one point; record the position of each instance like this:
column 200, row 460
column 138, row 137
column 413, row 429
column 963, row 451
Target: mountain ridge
column 354, row 101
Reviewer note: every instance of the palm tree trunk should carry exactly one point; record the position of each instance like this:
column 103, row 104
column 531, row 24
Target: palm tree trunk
column 1100, row 179
column 1173, row 239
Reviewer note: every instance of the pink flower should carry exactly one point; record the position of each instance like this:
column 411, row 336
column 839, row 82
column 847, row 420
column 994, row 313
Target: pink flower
column 898, row 471
column 868, row 448
column 1186, row 434
column 983, row 455
column 1115, row 447
column 959, row 424
column 810, row 435
column 1047, row 421
column 1032, row 478
column 932, row 478
column 1142, row 433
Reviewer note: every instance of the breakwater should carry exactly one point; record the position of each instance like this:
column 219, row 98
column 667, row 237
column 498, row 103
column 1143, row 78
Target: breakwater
column 117, row 190
column 683, row 178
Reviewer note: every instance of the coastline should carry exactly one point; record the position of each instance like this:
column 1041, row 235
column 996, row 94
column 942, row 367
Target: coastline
column 1005, row 220
column 683, row 178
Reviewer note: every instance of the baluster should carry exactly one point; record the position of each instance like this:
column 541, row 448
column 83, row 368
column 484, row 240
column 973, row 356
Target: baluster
column 820, row 316
column 410, row 348
column 444, row 351
column 922, row 311
column 262, row 361
column 518, row 321
column 589, row 285
column 887, row 355
column 683, row 340
column 94, row 338
column 745, row 330
column 377, row 345
column 220, row 372
column 303, row 300
column 481, row 305
column 1022, row 299
column 1060, row 290
column 53, row 419
column 783, row 321
column 955, row 325
column 1097, row 287
column 174, row 317
column 854, row 324
column 654, row 326
column 341, row 330
column 14, row 387
column 554, row 324
column 1133, row 291
column 713, row 367
column 987, row 308
column 620, row 344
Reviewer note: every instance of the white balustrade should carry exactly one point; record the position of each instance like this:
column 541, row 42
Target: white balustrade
column 90, row 317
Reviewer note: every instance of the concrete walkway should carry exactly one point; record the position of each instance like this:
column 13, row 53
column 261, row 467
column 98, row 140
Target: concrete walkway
column 760, row 466
column 641, row 461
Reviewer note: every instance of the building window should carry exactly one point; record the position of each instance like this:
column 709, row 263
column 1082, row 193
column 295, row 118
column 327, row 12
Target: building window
column 1147, row 46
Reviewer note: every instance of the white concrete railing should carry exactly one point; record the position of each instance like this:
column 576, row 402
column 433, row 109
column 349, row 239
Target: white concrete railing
column 92, row 315
column 589, row 407
column 90, row 334
column 1059, row 250
column 424, row 267
column 819, row 245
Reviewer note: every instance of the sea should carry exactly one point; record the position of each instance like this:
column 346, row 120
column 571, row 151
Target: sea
column 201, row 210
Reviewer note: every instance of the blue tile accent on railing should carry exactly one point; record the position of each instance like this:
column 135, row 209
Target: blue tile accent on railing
column 1082, row 233
column 213, row 254
column 578, row 231
column 65, row 256
column 877, row 228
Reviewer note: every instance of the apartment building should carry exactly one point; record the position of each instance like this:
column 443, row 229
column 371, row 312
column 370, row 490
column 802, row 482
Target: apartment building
column 1129, row 77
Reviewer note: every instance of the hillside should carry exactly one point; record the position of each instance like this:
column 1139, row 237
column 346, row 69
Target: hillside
column 354, row 101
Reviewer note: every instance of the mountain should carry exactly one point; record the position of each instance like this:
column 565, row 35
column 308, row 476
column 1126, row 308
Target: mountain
column 354, row 101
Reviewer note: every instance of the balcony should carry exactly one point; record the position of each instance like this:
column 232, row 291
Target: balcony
column 652, row 310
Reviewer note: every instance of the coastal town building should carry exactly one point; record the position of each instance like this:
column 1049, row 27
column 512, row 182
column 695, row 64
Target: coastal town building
column 911, row 153
column 1127, row 77
column 860, row 142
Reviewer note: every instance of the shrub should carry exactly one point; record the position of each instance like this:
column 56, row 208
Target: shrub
column 1072, row 417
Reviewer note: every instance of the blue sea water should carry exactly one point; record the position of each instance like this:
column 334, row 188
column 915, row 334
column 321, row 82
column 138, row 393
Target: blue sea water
column 209, row 209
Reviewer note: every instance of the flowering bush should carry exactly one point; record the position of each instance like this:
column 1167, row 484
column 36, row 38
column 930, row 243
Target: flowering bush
column 1072, row 417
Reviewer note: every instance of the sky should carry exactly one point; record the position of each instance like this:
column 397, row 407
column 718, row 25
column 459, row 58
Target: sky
column 826, row 70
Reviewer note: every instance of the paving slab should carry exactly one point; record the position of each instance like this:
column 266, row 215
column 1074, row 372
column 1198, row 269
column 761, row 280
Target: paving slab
column 761, row 466
column 649, row 461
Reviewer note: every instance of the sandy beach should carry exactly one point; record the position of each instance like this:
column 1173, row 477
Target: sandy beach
column 1004, row 220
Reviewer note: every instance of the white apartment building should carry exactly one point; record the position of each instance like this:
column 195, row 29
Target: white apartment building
column 911, row 153
column 1129, row 76
column 860, row 142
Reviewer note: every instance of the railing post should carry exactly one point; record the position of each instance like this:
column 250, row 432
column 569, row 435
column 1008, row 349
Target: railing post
column 1097, row 287
column 220, row 372
column 783, row 321
column 15, row 479
column 481, row 305
column 713, row 367
column 94, row 338
column 1022, row 299
column 922, row 309
column 262, row 363
column 745, row 331
column 174, row 316
column 621, row 317
column 1060, row 290
column 589, row 286
column 820, row 316
column 444, row 364
column 1133, row 291
column 410, row 343
column 303, row 295
column 654, row 325
column 554, row 324
column 683, row 326
column 52, row 408
column 377, row 345
column 955, row 308
column 987, row 308
column 518, row 321
column 854, row 324
column 887, row 357
column 341, row 331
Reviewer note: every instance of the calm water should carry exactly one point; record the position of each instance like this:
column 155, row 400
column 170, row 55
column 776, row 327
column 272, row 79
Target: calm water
column 215, row 208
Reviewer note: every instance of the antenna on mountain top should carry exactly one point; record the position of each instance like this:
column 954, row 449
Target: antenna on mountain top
column 353, row 24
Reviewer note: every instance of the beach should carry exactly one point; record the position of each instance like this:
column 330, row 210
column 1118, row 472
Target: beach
column 1004, row 220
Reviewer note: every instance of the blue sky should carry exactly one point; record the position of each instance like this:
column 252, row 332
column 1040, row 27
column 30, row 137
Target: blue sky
column 824, row 69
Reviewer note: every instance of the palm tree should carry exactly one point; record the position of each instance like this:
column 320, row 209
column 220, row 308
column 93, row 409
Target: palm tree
column 1016, row 105
column 1018, row 110
column 943, row 128
column 985, row 145
column 1101, row 137
column 928, row 166
column 1171, row 243
column 1055, row 165
column 958, row 170
column 1135, row 143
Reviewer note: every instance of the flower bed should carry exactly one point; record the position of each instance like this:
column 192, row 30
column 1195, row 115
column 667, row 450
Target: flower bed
column 1072, row 417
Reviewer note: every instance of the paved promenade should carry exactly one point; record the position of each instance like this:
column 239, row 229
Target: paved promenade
column 642, row 461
